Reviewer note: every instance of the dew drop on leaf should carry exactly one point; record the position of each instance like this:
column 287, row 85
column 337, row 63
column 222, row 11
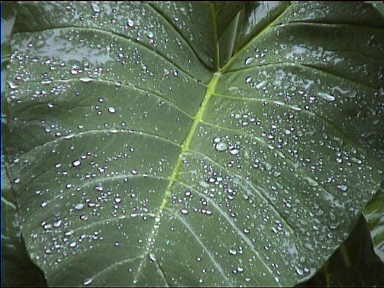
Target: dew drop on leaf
column 95, row 8
column 221, row 146
column 87, row 281
column 79, row 206
column 327, row 96
column 86, row 79
column 342, row 187
column 111, row 110
column 184, row 211
column 249, row 60
column 234, row 151
column 76, row 163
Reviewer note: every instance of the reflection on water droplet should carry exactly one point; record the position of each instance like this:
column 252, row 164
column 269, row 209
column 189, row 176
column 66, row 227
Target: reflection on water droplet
column 221, row 146
column 326, row 96
column 130, row 23
column 152, row 257
column 95, row 8
column 76, row 163
column 342, row 187
column 57, row 223
column 111, row 110
column 249, row 60
column 86, row 79
column 150, row 35
column 12, row 85
column 79, row 206
column 184, row 211
column 216, row 140
column 87, row 281
column 134, row 172
column 299, row 271
column 248, row 79
column 234, row 151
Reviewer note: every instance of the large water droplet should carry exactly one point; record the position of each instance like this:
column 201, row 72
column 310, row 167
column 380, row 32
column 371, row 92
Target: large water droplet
column 342, row 187
column 76, row 163
column 221, row 146
column 95, row 7
column 327, row 96
column 249, row 60
column 234, row 151
column 79, row 206
column 87, row 281
column 184, row 211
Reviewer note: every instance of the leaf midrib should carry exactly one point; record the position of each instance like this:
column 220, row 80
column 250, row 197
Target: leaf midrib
column 198, row 118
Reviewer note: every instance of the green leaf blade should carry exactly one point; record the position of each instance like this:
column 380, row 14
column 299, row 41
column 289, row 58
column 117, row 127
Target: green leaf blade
column 135, row 164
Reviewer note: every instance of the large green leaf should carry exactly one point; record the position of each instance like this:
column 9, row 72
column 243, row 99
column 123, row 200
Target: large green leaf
column 374, row 214
column 172, row 143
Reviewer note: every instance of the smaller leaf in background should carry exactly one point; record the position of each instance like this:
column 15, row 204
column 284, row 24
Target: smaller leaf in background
column 374, row 214
column 379, row 5
column 19, row 271
column 353, row 264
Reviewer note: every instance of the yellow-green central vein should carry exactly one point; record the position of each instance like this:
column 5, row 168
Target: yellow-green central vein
column 185, row 146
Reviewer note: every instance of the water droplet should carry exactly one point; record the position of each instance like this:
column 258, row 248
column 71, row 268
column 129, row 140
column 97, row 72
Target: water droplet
column 111, row 110
column 73, row 244
column 134, row 172
column 12, row 85
column 184, row 211
column 130, row 23
column 216, row 140
column 221, row 146
column 342, row 187
column 76, row 163
column 152, row 257
column 249, row 60
column 150, row 35
column 16, row 181
column 87, row 281
column 117, row 200
column 299, row 271
column 188, row 193
column 79, row 206
column 86, row 79
column 327, row 96
column 248, row 79
column 234, row 151
column 57, row 223
column 95, row 7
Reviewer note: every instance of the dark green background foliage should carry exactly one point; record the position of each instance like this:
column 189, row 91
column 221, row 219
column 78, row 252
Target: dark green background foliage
column 194, row 143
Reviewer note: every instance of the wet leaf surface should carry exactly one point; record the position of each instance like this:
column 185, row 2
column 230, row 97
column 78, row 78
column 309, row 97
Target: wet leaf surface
column 170, row 143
